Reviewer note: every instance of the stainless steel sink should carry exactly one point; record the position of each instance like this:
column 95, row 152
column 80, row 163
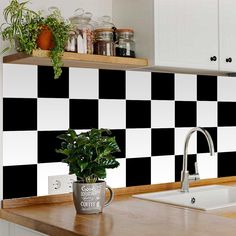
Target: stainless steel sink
column 203, row 198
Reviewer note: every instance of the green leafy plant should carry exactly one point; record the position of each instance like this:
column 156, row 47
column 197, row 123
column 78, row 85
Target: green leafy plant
column 22, row 27
column 89, row 154
column 60, row 30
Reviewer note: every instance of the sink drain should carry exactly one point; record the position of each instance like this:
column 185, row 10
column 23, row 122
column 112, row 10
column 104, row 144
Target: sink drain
column 193, row 200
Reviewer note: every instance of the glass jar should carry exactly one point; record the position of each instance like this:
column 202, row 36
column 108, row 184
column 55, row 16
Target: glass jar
column 84, row 31
column 104, row 44
column 125, row 43
column 71, row 45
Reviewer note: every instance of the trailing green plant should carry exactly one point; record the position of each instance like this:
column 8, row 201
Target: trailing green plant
column 89, row 154
column 60, row 30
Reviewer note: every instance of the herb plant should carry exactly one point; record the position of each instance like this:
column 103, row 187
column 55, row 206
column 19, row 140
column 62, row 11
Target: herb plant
column 89, row 154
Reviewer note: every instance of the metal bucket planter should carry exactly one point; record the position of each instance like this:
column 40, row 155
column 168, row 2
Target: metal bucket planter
column 90, row 198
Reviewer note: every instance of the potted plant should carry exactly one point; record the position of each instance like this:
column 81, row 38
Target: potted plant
column 56, row 27
column 89, row 154
column 21, row 27
column 25, row 29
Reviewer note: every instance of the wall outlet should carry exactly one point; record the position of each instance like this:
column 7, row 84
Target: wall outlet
column 58, row 184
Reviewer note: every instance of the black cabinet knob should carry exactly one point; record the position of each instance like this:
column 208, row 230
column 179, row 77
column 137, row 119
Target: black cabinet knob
column 229, row 60
column 214, row 58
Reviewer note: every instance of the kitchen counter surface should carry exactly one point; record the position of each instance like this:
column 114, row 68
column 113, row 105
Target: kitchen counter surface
column 126, row 216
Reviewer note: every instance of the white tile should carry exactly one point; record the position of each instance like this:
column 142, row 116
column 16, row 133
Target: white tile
column 180, row 135
column 138, row 85
column 48, row 169
column 112, row 114
column 138, row 143
column 226, row 137
column 185, row 87
column 53, row 114
column 78, row 131
column 19, row 81
column 207, row 114
column 19, row 147
column 162, row 169
column 207, row 165
column 116, row 178
column 83, row 83
column 226, row 89
column 162, row 114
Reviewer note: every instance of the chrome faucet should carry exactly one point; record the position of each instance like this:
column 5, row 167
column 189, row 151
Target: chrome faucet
column 185, row 176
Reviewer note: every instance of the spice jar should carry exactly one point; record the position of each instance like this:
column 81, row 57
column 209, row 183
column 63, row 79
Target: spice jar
column 104, row 44
column 71, row 45
column 125, row 43
column 84, row 31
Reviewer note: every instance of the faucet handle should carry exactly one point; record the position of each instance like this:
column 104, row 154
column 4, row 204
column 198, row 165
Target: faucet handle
column 195, row 176
column 196, row 168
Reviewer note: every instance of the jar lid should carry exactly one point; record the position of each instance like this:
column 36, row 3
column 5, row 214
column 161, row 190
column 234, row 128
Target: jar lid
column 125, row 30
column 104, row 30
column 80, row 15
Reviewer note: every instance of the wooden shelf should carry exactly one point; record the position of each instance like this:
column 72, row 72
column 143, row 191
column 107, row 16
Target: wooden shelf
column 41, row 57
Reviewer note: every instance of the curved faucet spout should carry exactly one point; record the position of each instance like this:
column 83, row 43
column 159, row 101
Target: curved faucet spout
column 185, row 174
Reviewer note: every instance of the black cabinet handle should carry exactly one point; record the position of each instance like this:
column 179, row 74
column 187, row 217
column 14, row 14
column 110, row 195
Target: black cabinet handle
column 229, row 60
column 214, row 58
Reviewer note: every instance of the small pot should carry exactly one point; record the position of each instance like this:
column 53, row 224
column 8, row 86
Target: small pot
column 45, row 38
column 90, row 198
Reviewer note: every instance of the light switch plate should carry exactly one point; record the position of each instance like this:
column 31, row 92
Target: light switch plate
column 58, row 184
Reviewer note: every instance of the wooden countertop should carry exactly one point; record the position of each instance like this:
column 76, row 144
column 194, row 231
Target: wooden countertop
column 126, row 216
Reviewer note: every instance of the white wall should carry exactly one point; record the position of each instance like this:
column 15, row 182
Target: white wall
column 97, row 7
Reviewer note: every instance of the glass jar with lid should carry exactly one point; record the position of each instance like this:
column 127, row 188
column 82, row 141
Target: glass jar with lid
column 104, row 44
column 84, row 30
column 71, row 45
column 125, row 43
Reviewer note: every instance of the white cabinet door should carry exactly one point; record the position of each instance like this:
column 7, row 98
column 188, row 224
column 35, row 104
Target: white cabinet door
column 227, row 33
column 17, row 230
column 186, row 33
column 172, row 33
column 4, row 228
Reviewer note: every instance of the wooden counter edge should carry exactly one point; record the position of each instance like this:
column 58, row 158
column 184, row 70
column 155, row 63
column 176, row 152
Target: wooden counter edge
column 59, row 198
column 30, row 223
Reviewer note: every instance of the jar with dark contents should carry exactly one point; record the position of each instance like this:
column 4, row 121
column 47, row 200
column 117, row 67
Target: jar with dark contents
column 125, row 43
column 104, row 44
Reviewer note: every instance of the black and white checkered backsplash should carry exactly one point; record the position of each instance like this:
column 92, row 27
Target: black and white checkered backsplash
column 149, row 113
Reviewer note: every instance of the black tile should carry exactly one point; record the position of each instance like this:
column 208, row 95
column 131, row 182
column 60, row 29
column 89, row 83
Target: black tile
column 83, row 114
column 226, row 164
column 163, row 142
column 206, row 88
column 47, row 143
column 19, row 114
column 226, row 114
column 138, row 171
column 48, row 87
column 192, row 158
column 112, row 84
column 138, row 114
column 202, row 145
column 163, row 86
column 19, row 181
column 120, row 139
column 185, row 114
